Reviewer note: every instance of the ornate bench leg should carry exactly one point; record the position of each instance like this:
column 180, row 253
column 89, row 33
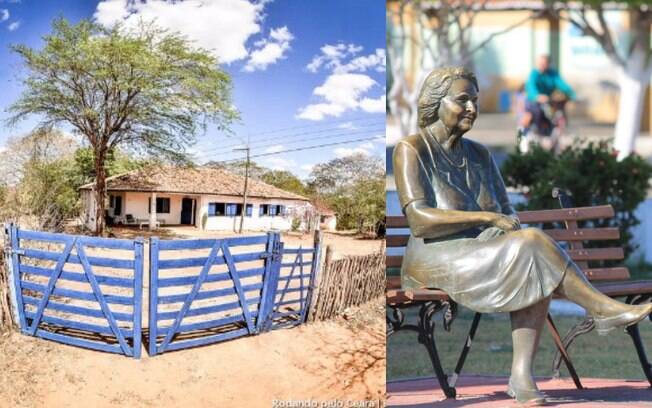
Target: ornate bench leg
column 635, row 334
column 427, row 338
column 466, row 348
column 640, row 350
column 561, row 350
column 584, row 326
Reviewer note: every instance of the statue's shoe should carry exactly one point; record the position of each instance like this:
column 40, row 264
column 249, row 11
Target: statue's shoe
column 605, row 324
column 531, row 397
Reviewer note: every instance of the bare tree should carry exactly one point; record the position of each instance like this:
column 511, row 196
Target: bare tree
column 441, row 32
column 632, row 56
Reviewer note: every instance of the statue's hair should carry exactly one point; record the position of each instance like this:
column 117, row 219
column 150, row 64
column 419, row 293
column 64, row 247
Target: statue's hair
column 434, row 88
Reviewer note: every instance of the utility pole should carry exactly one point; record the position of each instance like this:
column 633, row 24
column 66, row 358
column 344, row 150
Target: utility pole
column 246, row 182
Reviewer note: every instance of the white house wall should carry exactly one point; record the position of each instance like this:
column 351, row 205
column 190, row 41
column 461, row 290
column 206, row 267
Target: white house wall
column 137, row 204
column 253, row 223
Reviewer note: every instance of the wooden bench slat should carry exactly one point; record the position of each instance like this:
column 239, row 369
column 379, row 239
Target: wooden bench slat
column 415, row 295
column 607, row 274
column 596, row 254
column 393, row 261
column 396, row 241
column 583, row 234
column 396, row 221
column 567, row 214
column 626, row 288
column 580, row 234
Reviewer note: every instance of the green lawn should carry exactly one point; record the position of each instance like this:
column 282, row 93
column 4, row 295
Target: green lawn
column 611, row 356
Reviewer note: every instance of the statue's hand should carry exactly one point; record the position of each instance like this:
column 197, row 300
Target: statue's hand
column 505, row 222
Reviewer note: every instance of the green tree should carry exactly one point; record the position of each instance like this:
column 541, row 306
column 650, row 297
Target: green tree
column 238, row 167
column 354, row 187
column 592, row 174
column 117, row 162
column 42, row 172
column 285, row 180
column 145, row 90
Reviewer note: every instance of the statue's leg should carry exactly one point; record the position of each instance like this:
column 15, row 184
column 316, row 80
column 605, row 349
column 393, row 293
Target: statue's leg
column 577, row 288
column 527, row 325
column 608, row 313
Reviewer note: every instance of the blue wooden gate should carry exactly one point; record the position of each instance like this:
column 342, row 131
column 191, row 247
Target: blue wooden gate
column 225, row 291
column 296, row 284
column 79, row 290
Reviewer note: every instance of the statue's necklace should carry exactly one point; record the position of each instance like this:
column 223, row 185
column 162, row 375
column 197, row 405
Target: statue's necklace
column 445, row 154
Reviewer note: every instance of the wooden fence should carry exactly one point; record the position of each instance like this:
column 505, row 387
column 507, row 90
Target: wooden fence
column 347, row 282
column 6, row 317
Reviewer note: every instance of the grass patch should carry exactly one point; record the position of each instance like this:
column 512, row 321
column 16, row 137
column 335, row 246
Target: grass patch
column 612, row 356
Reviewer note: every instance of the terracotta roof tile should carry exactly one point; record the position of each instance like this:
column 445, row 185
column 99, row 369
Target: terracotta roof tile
column 192, row 180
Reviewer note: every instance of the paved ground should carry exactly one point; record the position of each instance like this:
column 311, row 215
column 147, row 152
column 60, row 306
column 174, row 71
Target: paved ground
column 489, row 392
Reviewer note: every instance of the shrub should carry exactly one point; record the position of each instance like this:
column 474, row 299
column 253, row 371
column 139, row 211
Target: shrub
column 591, row 174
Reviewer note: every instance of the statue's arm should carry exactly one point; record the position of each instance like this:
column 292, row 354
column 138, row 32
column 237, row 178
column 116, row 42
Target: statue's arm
column 425, row 220
column 428, row 222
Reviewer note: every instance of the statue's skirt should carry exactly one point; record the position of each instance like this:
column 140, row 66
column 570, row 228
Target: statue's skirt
column 496, row 271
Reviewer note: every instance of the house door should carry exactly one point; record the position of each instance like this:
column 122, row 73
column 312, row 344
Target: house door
column 117, row 209
column 187, row 211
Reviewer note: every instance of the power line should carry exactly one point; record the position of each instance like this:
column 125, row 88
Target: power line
column 277, row 141
column 295, row 135
column 312, row 126
column 298, row 149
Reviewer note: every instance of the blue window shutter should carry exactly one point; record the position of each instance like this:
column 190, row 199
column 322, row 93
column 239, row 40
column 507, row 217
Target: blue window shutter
column 250, row 210
column 231, row 209
column 212, row 209
column 261, row 210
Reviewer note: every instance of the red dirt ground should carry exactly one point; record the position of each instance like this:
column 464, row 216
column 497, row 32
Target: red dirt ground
column 489, row 392
column 343, row 358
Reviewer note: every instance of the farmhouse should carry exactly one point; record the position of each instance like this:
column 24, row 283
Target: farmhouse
column 205, row 197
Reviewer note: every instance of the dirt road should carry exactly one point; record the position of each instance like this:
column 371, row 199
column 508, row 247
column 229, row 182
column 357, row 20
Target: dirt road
column 344, row 359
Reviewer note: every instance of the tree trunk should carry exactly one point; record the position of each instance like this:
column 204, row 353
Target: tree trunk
column 100, row 190
column 633, row 81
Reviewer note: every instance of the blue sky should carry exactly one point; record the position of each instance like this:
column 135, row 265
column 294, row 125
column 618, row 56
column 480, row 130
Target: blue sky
column 305, row 72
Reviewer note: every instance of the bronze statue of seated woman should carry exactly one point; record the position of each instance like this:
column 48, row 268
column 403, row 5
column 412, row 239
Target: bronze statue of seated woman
column 466, row 238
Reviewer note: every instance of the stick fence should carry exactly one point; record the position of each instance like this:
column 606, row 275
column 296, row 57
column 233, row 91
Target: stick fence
column 347, row 282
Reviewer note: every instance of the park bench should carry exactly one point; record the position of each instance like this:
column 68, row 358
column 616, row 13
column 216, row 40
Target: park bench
column 613, row 281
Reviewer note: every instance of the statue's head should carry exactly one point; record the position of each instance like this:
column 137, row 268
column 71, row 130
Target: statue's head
column 439, row 85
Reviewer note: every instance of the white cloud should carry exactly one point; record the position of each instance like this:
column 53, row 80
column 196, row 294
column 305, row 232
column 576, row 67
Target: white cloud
column 274, row 149
column 347, row 125
column 221, row 26
column 374, row 61
column 333, row 58
column 279, row 163
column 4, row 15
column 307, row 167
column 347, row 84
column 13, row 26
column 364, row 148
column 373, row 105
column 339, row 93
column 271, row 50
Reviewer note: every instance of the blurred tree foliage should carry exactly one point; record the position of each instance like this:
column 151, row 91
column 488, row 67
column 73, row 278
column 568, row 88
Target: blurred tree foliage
column 593, row 176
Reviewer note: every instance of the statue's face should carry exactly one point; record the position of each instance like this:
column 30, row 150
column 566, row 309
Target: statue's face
column 459, row 108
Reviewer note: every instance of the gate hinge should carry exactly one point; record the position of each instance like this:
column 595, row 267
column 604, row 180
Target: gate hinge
column 17, row 251
column 266, row 255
